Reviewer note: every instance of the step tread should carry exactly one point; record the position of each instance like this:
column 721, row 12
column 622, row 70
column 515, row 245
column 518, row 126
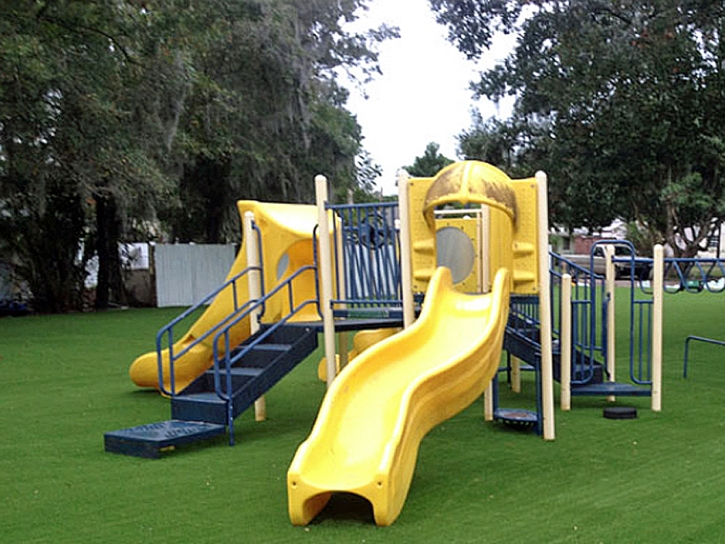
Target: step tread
column 516, row 415
column 272, row 347
column 209, row 397
column 611, row 388
column 240, row 371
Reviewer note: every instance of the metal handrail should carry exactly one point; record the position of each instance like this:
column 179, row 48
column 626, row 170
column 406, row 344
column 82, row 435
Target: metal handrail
column 687, row 349
column 168, row 329
column 224, row 335
column 584, row 314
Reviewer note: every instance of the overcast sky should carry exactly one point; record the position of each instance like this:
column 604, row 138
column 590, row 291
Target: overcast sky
column 423, row 94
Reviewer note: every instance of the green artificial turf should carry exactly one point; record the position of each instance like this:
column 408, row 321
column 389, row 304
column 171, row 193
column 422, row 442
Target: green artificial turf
column 659, row 478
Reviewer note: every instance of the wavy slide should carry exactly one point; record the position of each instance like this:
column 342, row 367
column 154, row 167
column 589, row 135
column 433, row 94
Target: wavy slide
column 199, row 357
column 366, row 437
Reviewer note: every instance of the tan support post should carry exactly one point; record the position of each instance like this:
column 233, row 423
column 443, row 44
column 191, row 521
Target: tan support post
column 325, row 271
column 565, row 339
column 547, row 375
column 405, row 251
column 255, row 293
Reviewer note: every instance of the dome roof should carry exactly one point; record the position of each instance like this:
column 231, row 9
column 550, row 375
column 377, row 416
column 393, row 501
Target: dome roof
column 471, row 182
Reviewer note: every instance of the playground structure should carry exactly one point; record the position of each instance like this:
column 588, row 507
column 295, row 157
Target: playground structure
column 584, row 329
column 338, row 268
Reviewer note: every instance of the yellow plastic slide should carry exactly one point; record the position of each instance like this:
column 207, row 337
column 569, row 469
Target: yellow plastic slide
column 286, row 247
column 366, row 437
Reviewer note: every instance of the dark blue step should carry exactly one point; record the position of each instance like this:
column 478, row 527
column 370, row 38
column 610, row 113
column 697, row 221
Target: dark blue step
column 261, row 355
column 198, row 413
column 205, row 406
column 252, row 376
column 584, row 369
column 611, row 388
column 152, row 439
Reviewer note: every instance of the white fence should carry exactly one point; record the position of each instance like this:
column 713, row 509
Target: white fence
column 186, row 273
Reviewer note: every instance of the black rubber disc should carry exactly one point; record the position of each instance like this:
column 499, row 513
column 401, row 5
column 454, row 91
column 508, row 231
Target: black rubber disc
column 620, row 412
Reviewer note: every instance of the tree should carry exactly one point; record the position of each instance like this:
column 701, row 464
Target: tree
column 625, row 100
column 115, row 114
column 66, row 144
column 265, row 128
column 428, row 164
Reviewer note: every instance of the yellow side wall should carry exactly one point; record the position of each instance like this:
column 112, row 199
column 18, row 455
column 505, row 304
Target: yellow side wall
column 422, row 238
column 526, row 252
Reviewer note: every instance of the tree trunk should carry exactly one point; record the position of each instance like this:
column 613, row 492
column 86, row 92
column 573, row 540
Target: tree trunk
column 110, row 280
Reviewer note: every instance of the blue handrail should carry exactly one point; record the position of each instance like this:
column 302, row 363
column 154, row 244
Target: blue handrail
column 168, row 329
column 640, row 312
column 687, row 349
column 223, row 335
column 585, row 341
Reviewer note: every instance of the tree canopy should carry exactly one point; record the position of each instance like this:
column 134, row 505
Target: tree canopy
column 428, row 164
column 621, row 102
column 121, row 120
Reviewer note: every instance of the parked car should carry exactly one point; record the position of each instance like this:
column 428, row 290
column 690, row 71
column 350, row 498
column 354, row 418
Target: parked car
column 622, row 269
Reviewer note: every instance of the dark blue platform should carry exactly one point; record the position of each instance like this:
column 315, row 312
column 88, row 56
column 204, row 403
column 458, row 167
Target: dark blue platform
column 518, row 417
column 207, row 407
column 611, row 388
column 151, row 440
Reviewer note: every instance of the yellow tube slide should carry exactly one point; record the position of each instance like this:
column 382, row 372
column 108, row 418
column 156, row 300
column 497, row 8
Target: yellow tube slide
column 366, row 437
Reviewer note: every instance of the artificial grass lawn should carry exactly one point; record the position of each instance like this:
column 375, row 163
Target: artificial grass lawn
column 659, row 478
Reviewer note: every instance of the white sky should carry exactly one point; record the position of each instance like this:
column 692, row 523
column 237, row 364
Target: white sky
column 423, row 94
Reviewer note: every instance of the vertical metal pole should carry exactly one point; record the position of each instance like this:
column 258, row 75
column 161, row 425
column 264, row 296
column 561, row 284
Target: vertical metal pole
column 611, row 333
column 255, row 293
column 565, row 339
column 325, row 264
column 657, row 311
column 547, row 375
column 406, row 279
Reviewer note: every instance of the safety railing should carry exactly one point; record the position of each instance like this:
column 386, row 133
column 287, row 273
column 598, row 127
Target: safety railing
column 367, row 252
column 231, row 357
column 524, row 317
column 588, row 308
column 691, row 338
column 637, row 271
column 167, row 331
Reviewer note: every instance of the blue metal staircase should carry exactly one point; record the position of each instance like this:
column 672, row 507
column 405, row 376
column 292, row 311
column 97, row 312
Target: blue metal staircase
column 248, row 378
column 208, row 406
column 589, row 375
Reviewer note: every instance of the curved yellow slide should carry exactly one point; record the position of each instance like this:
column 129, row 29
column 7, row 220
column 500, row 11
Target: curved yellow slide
column 366, row 437
column 286, row 247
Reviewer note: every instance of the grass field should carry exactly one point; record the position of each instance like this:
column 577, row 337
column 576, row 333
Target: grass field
column 659, row 478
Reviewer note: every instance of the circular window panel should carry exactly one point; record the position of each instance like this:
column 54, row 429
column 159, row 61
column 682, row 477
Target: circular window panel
column 455, row 251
